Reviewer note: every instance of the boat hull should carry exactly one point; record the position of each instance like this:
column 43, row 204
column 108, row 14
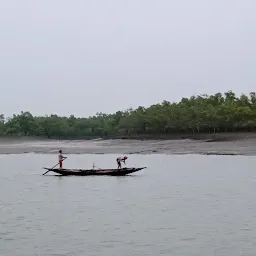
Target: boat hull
column 82, row 172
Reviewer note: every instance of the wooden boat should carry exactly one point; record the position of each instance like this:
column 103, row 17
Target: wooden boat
column 84, row 172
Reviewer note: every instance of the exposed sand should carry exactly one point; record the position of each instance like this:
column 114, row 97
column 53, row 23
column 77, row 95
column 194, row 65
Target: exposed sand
column 243, row 145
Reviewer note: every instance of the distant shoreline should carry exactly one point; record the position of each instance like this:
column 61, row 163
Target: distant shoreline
column 202, row 144
column 222, row 136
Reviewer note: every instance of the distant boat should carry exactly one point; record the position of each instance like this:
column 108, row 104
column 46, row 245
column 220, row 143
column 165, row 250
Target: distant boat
column 87, row 172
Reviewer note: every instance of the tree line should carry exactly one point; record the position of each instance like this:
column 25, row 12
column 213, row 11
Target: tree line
column 197, row 114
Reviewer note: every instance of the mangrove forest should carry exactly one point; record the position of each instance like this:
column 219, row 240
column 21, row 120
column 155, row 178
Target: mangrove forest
column 197, row 114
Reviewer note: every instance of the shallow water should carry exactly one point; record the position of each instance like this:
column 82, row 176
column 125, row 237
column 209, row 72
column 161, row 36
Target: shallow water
column 181, row 205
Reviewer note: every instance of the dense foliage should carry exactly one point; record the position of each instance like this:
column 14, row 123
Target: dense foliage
column 213, row 113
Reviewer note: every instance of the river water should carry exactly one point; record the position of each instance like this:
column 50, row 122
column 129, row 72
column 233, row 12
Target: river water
column 180, row 205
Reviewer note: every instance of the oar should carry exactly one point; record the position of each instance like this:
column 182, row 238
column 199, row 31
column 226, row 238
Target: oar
column 54, row 166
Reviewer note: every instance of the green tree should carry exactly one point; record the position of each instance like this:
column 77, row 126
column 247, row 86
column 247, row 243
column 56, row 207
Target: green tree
column 197, row 114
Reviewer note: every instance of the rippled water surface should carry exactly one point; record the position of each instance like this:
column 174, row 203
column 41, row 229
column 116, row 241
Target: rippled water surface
column 181, row 205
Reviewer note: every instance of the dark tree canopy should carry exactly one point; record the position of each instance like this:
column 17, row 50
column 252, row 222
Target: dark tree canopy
column 197, row 114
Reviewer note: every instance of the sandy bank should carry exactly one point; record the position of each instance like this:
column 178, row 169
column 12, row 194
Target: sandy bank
column 230, row 144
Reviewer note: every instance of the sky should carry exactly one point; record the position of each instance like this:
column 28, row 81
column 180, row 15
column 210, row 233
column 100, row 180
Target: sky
column 81, row 57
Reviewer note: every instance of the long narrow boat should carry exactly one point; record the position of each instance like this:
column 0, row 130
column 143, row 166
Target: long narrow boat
column 84, row 172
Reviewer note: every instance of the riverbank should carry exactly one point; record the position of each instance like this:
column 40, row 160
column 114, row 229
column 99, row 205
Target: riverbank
column 223, row 136
column 221, row 144
column 206, row 137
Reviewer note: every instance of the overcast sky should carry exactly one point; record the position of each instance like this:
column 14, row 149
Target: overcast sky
column 81, row 57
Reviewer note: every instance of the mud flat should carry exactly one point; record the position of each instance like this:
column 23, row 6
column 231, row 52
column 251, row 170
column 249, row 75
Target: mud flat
column 234, row 144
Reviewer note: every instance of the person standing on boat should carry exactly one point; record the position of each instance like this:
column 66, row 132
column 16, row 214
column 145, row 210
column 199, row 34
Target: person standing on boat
column 61, row 158
column 119, row 160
